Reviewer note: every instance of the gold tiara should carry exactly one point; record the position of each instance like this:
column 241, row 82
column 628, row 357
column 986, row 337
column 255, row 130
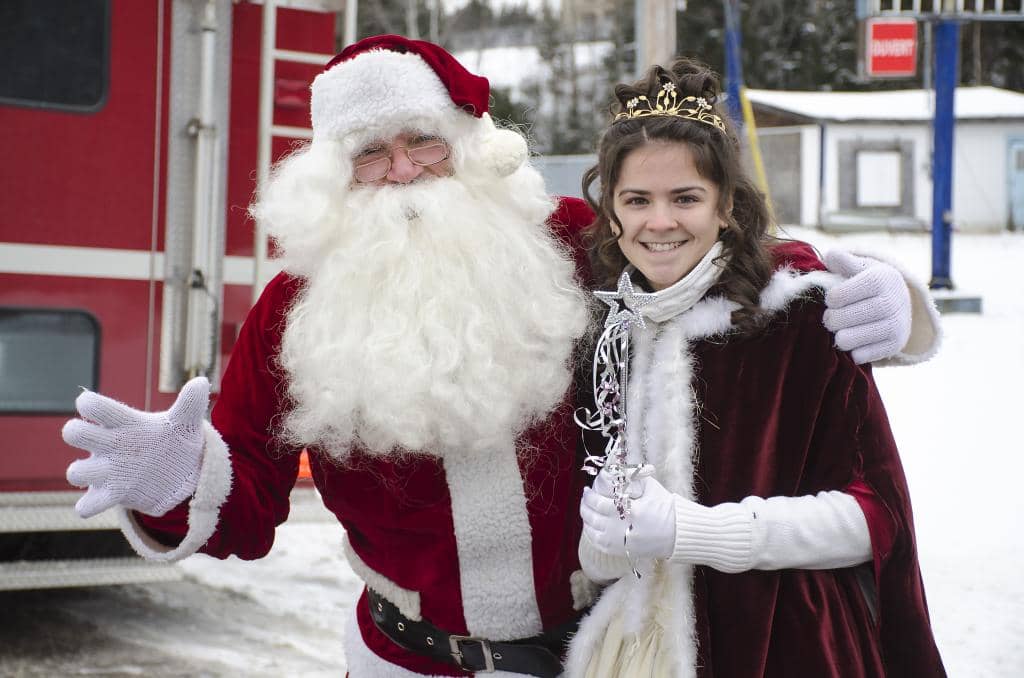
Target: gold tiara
column 668, row 104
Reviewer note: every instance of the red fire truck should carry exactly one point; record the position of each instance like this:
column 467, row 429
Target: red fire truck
column 135, row 131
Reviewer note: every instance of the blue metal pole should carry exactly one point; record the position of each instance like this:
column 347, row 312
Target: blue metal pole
column 947, row 58
column 733, row 64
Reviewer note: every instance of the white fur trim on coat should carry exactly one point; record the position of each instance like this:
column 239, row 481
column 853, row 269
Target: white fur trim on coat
column 203, row 509
column 586, row 642
column 494, row 543
column 407, row 602
column 787, row 285
column 584, row 590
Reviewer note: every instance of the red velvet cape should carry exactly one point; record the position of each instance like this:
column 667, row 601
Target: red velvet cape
column 788, row 414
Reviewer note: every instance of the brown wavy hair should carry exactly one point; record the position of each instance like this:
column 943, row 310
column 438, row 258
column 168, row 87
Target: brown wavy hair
column 716, row 153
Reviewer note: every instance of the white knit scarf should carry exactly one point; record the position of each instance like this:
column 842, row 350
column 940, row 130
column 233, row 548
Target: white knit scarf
column 690, row 289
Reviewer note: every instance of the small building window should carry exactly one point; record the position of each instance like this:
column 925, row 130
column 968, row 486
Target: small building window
column 876, row 177
column 55, row 54
column 879, row 180
column 46, row 357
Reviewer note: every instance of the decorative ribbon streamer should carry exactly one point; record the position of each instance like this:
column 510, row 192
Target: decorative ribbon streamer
column 610, row 379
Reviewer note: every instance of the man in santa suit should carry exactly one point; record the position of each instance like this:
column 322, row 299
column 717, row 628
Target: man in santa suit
column 420, row 344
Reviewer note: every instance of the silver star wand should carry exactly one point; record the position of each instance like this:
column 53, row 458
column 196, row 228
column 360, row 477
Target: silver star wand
column 611, row 380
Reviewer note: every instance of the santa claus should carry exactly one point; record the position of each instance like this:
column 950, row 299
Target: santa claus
column 420, row 344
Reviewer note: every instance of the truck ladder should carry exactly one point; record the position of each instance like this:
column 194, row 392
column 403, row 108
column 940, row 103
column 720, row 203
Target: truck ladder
column 269, row 56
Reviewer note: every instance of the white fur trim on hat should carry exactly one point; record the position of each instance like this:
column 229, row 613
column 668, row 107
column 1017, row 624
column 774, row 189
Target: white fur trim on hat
column 378, row 94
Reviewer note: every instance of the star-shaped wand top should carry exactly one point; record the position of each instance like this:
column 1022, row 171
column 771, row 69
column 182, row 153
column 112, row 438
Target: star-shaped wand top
column 625, row 303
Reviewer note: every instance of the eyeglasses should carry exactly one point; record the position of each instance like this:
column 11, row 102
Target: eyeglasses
column 374, row 164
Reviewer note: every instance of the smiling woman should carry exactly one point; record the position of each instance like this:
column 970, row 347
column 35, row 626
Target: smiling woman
column 754, row 489
column 668, row 212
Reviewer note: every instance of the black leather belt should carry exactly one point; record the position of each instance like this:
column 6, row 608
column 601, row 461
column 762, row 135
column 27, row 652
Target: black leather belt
column 537, row 656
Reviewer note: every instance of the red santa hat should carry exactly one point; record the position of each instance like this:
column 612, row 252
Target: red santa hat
column 383, row 85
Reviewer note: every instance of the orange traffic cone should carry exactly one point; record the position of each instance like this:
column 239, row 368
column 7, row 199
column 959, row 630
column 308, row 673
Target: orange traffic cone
column 304, row 472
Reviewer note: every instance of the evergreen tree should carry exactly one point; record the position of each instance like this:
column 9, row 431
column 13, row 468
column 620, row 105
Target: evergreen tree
column 620, row 63
column 804, row 45
column 505, row 109
column 476, row 15
column 388, row 16
column 569, row 112
column 1001, row 54
column 516, row 14
column 550, row 101
column 700, row 33
column 380, row 16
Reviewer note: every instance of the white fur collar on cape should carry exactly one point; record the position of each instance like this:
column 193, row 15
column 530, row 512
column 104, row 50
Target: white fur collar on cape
column 713, row 315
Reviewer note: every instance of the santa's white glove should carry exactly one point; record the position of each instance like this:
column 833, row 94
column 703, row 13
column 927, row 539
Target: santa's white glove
column 870, row 312
column 146, row 461
column 652, row 514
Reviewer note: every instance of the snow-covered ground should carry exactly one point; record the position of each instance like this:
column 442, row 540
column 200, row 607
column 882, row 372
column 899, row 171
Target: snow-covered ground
column 956, row 420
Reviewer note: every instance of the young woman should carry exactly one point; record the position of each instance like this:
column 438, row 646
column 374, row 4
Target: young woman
column 769, row 522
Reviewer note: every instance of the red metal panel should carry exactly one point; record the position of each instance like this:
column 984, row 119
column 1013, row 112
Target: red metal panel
column 87, row 179
column 34, row 457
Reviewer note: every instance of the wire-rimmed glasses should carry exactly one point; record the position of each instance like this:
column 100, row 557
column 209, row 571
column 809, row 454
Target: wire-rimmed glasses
column 375, row 163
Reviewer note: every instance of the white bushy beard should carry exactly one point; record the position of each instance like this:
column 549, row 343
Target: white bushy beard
column 438, row 317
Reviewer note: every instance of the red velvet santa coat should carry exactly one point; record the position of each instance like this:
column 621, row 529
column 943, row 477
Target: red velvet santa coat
column 486, row 548
column 783, row 412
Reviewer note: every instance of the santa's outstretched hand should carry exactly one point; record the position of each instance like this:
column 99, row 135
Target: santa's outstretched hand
column 145, row 461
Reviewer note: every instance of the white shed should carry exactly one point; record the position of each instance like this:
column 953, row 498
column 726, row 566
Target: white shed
column 856, row 160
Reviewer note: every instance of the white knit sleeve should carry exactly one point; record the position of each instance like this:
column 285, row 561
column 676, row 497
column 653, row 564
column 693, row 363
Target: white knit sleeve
column 824, row 531
column 599, row 566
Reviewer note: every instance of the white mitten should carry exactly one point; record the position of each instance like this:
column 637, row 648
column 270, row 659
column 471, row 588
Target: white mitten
column 652, row 514
column 870, row 312
column 145, row 461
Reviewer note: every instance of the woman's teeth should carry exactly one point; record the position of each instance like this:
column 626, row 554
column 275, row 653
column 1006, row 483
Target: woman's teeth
column 661, row 246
